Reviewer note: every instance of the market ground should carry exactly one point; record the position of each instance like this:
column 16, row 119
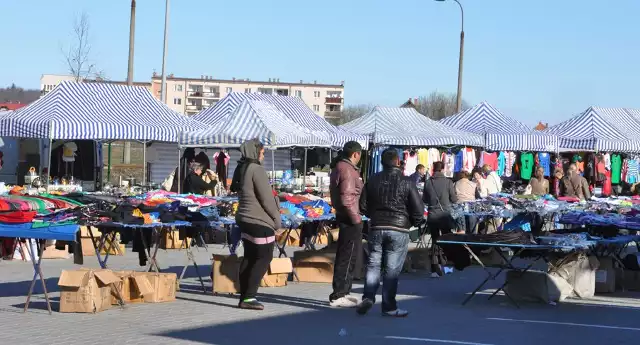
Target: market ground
column 299, row 314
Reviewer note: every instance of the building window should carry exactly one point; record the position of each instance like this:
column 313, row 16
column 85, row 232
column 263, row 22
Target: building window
column 316, row 94
column 299, row 93
column 177, row 87
column 247, row 90
column 229, row 90
column 316, row 107
column 177, row 101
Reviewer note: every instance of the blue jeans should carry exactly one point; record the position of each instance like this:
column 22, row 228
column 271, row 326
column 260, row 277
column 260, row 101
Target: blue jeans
column 388, row 247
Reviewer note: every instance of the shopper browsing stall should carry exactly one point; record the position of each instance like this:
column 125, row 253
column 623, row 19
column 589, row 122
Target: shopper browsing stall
column 194, row 183
column 393, row 204
column 574, row 185
column 439, row 194
column 538, row 184
column 258, row 217
column 467, row 191
column 345, row 188
column 420, row 175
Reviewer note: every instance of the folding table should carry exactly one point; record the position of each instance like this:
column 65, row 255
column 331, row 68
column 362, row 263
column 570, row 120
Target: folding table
column 538, row 252
column 39, row 235
column 158, row 230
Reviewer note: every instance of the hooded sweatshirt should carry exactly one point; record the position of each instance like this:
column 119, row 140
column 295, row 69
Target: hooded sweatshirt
column 256, row 205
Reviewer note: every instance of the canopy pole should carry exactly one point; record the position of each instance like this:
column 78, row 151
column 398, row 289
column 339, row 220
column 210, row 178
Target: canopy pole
column 109, row 163
column 144, row 163
column 49, row 157
column 178, row 168
column 273, row 169
column 304, row 175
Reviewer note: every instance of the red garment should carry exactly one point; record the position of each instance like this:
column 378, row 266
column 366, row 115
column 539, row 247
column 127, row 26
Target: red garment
column 606, row 188
column 17, row 217
column 569, row 199
column 490, row 159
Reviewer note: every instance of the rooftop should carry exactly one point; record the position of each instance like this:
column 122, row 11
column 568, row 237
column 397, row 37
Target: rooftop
column 271, row 81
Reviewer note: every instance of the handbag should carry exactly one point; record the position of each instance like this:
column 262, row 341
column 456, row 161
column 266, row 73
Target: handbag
column 168, row 182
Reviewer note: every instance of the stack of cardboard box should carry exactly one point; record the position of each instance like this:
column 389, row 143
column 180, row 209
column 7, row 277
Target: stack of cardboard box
column 171, row 240
column 225, row 273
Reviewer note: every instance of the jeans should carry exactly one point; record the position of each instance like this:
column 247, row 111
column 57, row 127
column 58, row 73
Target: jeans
column 388, row 247
column 348, row 249
column 471, row 222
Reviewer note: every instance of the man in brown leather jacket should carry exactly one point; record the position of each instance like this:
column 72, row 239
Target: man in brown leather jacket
column 345, row 188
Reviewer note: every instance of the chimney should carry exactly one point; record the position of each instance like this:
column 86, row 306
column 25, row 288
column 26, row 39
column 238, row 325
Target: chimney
column 155, row 74
column 415, row 101
column 202, row 76
column 315, row 81
column 234, row 78
column 342, row 83
column 300, row 81
column 269, row 79
column 170, row 75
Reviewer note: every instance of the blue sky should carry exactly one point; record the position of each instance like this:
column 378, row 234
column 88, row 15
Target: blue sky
column 534, row 60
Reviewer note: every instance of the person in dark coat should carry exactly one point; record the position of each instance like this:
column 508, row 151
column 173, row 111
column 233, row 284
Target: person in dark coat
column 194, row 184
column 439, row 194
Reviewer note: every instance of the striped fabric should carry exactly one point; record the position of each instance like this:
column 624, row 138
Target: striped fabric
column 501, row 133
column 292, row 107
column 407, row 127
column 254, row 119
column 97, row 111
column 600, row 129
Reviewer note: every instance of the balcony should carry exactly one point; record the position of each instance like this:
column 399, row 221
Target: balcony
column 332, row 114
column 211, row 94
column 334, row 100
column 192, row 107
column 195, row 93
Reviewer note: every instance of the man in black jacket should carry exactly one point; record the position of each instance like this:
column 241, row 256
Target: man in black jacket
column 439, row 194
column 393, row 205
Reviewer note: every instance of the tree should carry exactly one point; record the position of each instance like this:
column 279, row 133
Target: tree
column 350, row 113
column 438, row 105
column 77, row 55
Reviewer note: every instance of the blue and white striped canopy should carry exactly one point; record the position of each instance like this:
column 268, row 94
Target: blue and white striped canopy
column 600, row 129
column 292, row 107
column 407, row 127
column 501, row 133
column 254, row 119
column 97, row 111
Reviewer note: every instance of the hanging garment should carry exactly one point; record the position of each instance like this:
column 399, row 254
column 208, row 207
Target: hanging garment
column 606, row 187
column 625, row 170
column 449, row 164
column 423, row 157
column 510, row 161
column 607, row 161
column 490, row 159
column 502, row 163
column 632, row 171
column 434, row 156
column 544, row 160
column 600, row 168
column 459, row 161
column 527, row 165
column 469, row 159
column 222, row 161
column 616, row 166
column 411, row 163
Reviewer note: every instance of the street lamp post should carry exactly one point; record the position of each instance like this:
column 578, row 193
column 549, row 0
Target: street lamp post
column 163, row 86
column 460, row 59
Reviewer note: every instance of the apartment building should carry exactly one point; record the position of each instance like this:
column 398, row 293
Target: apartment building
column 191, row 95
column 49, row 81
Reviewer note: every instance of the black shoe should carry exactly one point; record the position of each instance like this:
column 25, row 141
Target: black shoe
column 251, row 305
column 364, row 306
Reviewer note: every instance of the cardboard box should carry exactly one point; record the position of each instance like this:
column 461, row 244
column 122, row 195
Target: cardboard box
column 84, row 232
column 171, row 240
column 278, row 273
column 225, row 273
column 294, row 237
column 606, row 276
column 86, row 291
column 314, row 267
column 163, row 286
column 334, row 234
column 88, row 249
column 51, row 252
column 112, row 249
column 133, row 286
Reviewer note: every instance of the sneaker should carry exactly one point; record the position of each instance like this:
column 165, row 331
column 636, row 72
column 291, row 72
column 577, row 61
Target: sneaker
column 344, row 302
column 435, row 275
column 251, row 304
column 355, row 299
column 396, row 313
column 364, row 307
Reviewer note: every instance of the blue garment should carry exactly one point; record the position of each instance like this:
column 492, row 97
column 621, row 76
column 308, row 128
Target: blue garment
column 459, row 161
column 502, row 163
column 388, row 247
column 400, row 154
column 544, row 159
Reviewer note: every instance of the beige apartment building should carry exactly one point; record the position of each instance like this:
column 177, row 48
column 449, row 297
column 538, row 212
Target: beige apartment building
column 191, row 95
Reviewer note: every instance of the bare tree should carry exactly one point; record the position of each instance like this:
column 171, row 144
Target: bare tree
column 350, row 113
column 438, row 105
column 77, row 54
